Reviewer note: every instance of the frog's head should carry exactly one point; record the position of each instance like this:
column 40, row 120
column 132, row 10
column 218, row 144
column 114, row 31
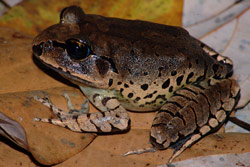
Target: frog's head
column 66, row 49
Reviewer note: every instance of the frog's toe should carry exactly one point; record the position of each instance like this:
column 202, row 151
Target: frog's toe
column 65, row 122
column 69, row 103
column 41, row 119
column 140, row 151
column 44, row 100
column 72, row 111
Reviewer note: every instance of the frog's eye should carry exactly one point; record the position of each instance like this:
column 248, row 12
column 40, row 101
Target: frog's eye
column 77, row 49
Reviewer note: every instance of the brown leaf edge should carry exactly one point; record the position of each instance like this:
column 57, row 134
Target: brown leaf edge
column 13, row 131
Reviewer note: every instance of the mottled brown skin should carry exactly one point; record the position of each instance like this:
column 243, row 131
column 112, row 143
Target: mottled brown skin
column 140, row 66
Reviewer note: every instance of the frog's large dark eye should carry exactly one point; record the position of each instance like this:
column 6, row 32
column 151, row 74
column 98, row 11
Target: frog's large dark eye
column 77, row 49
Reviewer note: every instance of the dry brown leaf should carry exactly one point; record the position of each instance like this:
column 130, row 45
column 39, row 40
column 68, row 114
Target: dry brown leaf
column 228, row 160
column 48, row 144
column 13, row 131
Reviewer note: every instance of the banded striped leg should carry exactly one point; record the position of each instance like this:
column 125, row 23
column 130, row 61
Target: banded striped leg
column 191, row 113
column 114, row 118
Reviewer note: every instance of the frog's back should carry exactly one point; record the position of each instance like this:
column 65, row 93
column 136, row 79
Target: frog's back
column 152, row 60
column 141, row 49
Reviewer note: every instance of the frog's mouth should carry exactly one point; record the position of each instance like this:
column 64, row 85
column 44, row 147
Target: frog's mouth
column 74, row 79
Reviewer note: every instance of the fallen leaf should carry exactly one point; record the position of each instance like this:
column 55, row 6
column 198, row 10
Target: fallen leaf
column 228, row 160
column 13, row 131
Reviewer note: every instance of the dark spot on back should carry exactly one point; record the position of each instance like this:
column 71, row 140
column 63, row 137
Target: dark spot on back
column 126, row 85
column 121, row 90
column 137, row 99
column 190, row 75
column 166, row 84
column 144, row 87
column 179, row 79
column 110, row 82
column 171, row 89
column 160, row 69
column 119, row 83
column 148, row 96
column 173, row 73
column 130, row 95
column 131, row 82
column 161, row 97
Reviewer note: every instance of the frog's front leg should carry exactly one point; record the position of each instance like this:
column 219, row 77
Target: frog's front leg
column 112, row 117
column 193, row 112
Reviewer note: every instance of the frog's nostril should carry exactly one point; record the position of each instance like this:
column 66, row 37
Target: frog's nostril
column 38, row 49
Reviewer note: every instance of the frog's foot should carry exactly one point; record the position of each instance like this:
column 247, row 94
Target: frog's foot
column 140, row 151
column 114, row 119
column 84, row 107
column 63, row 117
column 59, row 112
column 46, row 101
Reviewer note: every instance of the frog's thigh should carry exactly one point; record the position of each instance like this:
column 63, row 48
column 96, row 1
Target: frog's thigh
column 114, row 119
column 211, row 52
column 191, row 113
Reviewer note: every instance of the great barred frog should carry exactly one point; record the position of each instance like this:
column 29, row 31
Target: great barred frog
column 123, row 65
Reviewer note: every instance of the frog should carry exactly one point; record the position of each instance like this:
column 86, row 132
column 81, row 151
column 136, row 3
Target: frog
column 133, row 65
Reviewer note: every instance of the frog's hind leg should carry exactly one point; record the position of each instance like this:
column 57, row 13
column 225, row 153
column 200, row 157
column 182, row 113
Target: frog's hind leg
column 211, row 52
column 193, row 112
column 115, row 118
column 217, row 56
